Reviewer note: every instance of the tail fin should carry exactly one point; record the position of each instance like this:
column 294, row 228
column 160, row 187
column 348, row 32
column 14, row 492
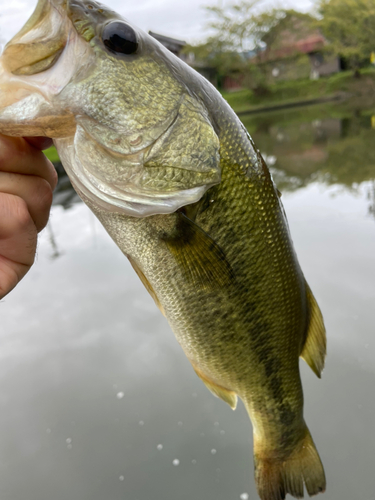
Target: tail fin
column 275, row 478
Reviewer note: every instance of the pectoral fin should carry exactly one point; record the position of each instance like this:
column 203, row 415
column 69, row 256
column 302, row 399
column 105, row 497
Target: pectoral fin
column 314, row 350
column 226, row 395
column 201, row 260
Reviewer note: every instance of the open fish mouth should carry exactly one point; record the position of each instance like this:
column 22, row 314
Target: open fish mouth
column 35, row 66
column 39, row 44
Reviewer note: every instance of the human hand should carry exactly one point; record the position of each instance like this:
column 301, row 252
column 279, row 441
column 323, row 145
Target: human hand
column 27, row 180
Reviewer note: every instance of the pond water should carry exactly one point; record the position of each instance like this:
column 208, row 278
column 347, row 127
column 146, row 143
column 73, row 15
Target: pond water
column 97, row 400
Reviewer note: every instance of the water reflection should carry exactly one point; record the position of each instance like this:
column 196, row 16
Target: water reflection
column 329, row 146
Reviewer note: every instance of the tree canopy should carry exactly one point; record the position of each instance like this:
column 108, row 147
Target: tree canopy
column 242, row 38
column 245, row 36
column 349, row 26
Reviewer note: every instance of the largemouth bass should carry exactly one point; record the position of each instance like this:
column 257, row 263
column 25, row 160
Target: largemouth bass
column 177, row 182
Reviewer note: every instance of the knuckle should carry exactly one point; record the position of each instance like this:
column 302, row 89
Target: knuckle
column 42, row 202
column 11, row 147
column 54, row 176
column 43, row 196
column 21, row 214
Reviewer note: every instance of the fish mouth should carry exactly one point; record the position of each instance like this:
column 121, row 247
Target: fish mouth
column 39, row 44
column 35, row 66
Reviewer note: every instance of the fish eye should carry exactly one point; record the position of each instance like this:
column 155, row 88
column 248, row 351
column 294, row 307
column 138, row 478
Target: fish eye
column 120, row 38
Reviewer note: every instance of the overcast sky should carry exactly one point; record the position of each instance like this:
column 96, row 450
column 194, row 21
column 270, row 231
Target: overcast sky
column 183, row 19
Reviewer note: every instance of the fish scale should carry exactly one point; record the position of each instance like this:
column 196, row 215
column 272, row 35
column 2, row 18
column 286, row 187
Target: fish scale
column 179, row 185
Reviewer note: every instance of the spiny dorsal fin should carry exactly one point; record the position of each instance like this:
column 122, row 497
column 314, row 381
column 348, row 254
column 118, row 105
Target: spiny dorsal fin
column 202, row 261
column 314, row 350
column 146, row 284
column 226, row 395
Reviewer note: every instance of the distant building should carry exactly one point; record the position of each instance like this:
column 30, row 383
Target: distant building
column 176, row 46
column 297, row 50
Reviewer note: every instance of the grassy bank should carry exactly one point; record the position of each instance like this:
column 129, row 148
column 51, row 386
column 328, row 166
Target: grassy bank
column 289, row 92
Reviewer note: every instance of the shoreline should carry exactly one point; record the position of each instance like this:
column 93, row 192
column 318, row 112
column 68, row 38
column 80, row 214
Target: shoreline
column 293, row 104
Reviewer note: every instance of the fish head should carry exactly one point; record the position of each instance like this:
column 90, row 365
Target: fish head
column 130, row 131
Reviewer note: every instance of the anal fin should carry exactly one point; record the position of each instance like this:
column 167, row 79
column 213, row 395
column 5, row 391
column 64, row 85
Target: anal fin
column 226, row 395
column 314, row 350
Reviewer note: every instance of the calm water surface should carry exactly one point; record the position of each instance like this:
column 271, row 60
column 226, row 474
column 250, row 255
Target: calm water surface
column 97, row 400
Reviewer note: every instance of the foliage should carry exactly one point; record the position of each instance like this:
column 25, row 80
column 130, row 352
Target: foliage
column 349, row 26
column 238, row 41
column 215, row 54
column 324, row 143
column 246, row 39
column 52, row 154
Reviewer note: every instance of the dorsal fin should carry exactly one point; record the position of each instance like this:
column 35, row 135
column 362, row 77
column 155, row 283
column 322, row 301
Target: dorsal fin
column 314, row 350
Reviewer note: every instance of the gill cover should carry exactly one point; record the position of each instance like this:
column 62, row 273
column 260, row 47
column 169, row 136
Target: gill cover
column 130, row 134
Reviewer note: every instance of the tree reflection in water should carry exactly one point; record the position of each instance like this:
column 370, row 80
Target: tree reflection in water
column 325, row 145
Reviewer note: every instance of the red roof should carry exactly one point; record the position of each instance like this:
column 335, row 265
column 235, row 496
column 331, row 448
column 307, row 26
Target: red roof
column 310, row 44
column 307, row 45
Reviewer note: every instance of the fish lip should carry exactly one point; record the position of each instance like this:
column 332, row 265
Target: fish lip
column 22, row 53
column 16, row 91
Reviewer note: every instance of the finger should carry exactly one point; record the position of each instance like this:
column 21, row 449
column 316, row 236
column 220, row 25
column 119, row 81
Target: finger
column 36, row 192
column 18, row 156
column 39, row 142
column 18, row 237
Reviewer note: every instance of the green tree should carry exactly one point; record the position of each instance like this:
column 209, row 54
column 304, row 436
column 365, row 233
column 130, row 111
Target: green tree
column 246, row 38
column 237, row 42
column 349, row 26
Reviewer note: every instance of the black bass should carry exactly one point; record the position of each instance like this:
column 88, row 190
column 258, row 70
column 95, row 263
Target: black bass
column 174, row 177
